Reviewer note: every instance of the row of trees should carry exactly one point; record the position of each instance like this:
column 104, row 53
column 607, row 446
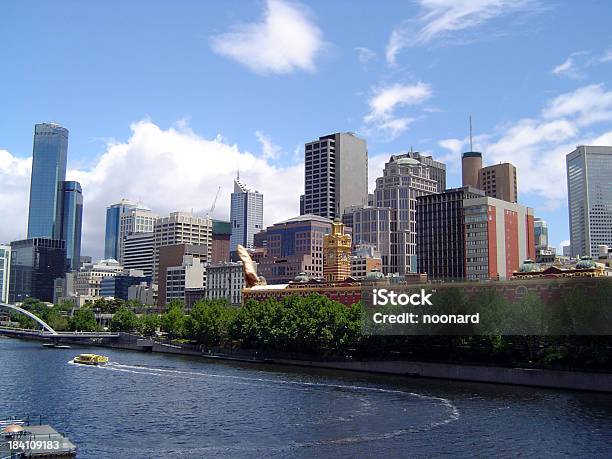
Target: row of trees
column 318, row 325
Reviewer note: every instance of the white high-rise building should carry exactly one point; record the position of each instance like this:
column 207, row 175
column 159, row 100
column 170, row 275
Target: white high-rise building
column 225, row 281
column 589, row 189
column 179, row 228
column 5, row 271
column 246, row 215
column 135, row 220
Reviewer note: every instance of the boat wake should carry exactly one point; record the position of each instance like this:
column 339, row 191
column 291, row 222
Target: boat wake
column 363, row 394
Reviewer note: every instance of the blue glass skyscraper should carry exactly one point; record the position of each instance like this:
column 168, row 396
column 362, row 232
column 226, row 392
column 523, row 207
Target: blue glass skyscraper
column 71, row 219
column 113, row 226
column 48, row 172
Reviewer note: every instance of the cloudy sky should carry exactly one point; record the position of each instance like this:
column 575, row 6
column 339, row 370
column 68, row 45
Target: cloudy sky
column 164, row 100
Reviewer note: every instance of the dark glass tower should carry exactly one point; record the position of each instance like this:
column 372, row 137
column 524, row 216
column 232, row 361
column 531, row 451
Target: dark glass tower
column 70, row 219
column 48, row 173
column 113, row 226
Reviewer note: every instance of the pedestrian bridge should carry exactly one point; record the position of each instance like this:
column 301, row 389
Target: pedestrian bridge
column 47, row 331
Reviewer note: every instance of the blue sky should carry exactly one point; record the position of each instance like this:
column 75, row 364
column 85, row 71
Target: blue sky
column 184, row 91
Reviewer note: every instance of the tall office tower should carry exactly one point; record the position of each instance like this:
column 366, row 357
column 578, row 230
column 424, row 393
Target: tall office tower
column 499, row 181
column 540, row 228
column 499, row 237
column 294, row 246
column 246, row 215
column 181, row 266
column 70, row 219
column 336, row 254
column 403, row 180
column 112, row 236
column 181, row 228
column 138, row 252
column 336, row 175
column 589, row 190
column 48, row 172
column 471, row 163
column 138, row 219
column 5, row 272
column 35, row 265
column 437, row 169
column 441, row 250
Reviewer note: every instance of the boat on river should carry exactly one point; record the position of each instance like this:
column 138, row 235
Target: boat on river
column 91, row 359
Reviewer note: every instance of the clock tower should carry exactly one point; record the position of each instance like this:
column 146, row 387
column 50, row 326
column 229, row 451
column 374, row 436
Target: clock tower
column 336, row 254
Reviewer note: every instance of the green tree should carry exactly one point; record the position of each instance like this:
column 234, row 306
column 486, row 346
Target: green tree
column 173, row 320
column 148, row 324
column 124, row 320
column 83, row 319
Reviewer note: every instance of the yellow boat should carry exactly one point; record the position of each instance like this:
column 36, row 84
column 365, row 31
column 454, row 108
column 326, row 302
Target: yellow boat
column 91, row 359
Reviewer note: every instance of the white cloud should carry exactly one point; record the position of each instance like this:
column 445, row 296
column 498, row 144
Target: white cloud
column 588, row 104
column 269, row 149
column 285, row 40
column 14, row 196
column 365, row 55
column 386, row 100
column 168, row 170
column 566, row 68
column 440, row 18
column 606, row 57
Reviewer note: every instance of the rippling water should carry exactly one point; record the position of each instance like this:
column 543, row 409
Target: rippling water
column 153, row 405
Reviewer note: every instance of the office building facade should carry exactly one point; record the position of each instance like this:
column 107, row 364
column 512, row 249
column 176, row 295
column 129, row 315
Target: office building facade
column 35, row 264
column 499, row 237
column 471, row 164
column 135, row 220
column 181, row 228
column 117, row 286
column 246, row 215
column 225, row 281
column 71, row 221
column 138, row 252
column 294, row 246
column 499, row 181
column 335, row 175
column 221, row 234
column 5, row 272
column 589, row 188
column 403, row 181
column 112, row 235
column 173, row 258
column 88, row 280
column 49, row 158
column 540, row 231
column 441, row 249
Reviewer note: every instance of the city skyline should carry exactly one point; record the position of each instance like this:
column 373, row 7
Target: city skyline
column 394, row 93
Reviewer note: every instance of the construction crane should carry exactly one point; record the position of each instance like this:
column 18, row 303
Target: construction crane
column 212, row 208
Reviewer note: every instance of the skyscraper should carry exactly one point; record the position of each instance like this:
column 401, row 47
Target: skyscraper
column 134, row 220
column 49, row 157
column 589, row 189
column 335, row 175
column 112, row 237
column 403, row 180
column 70, row 222
column 246, row 215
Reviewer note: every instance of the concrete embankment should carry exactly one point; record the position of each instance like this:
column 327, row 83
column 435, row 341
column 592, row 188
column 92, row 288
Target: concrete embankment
column 572, row 380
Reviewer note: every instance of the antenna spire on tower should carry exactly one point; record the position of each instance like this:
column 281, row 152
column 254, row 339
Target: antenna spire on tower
column 471, row 143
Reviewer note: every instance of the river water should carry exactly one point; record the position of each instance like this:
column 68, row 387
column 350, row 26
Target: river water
column 153, row 405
